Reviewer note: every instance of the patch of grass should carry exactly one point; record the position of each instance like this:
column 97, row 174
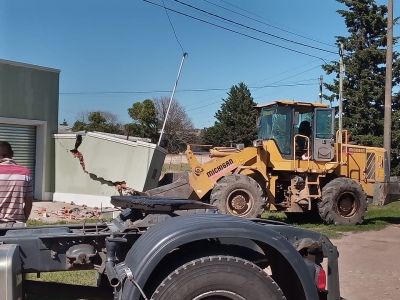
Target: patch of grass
column 85, row 277
column 377, row 218
column 32, row 223
column 176, row 167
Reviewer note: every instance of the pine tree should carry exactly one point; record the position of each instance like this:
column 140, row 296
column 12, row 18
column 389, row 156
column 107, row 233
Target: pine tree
column 364, row 81
column 236, row 119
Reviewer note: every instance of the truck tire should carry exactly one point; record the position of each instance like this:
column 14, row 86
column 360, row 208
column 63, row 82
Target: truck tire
column 238, row 195
column 218, row 278
column 343, row 202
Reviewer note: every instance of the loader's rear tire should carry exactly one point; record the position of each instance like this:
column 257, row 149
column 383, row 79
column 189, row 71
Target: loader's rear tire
column 343, row 202
column 218, row 278
column 238, row 195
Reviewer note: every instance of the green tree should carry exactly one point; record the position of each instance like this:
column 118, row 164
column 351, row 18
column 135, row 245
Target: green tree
column 97, row 121
column 364, row 82
column 145, row 120
column 236, row 119
column 79, row 126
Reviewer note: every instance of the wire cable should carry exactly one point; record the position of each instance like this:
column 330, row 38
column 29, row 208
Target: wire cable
column 287, row 31
column 172, row 26
column 234, row 31
column 140, row 92
column 144, row 92
column 254, row 29
column 257, row 88
column 205, row 105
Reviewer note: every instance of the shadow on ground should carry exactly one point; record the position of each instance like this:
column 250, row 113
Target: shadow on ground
column 389, row 220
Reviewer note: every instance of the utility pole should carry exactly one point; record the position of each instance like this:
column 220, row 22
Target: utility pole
column 341, row 70
column 387, row 134
column 320, row 89
column 172, row 97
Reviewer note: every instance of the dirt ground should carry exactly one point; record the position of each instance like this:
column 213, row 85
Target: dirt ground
column 369, row 262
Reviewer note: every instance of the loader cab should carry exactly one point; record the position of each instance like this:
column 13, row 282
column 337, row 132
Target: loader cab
column 287, row 123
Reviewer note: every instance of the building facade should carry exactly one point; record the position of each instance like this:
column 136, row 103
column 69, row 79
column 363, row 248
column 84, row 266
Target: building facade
column 29, row 98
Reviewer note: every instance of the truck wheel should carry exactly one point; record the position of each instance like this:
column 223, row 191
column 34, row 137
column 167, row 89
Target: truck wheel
column 343, row 202
column 238, row 195
column 218, row 278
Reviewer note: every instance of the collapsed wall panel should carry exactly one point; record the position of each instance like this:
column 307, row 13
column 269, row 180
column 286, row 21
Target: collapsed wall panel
column 138, row 163
column 88, row 171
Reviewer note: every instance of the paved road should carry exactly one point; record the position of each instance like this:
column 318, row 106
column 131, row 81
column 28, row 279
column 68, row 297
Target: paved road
column 369, row 264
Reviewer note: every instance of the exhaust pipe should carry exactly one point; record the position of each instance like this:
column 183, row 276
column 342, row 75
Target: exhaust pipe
column 111, row 274
column 112, row 245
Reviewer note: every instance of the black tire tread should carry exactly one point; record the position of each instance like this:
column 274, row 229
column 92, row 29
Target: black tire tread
column 329, row 194
column 220, row 187
column 213, row 259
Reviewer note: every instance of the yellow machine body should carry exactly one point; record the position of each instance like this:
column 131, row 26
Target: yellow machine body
column 291, row 178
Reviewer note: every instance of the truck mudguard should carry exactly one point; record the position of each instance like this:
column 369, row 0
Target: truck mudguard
column 295, row 235
column 158, row 241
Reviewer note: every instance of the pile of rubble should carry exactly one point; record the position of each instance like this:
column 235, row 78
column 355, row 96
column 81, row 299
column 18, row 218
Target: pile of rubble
column 58, row 211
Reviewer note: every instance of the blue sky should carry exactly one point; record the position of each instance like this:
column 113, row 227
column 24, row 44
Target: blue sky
column 114, row 53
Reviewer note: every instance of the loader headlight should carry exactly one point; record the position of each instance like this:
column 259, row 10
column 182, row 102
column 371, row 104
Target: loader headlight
column 257, row 143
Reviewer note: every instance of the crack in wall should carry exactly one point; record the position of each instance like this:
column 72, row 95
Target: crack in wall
column 120, row 186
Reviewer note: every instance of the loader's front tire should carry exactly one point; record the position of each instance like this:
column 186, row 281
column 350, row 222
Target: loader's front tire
column 218, row 278
column 238, row 195
column 343, row 202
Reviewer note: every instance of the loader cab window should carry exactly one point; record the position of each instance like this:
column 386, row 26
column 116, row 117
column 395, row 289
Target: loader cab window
column 304, row 117
column 324, row 124
column 304, row 128
column 276, row 124
column 323, row 134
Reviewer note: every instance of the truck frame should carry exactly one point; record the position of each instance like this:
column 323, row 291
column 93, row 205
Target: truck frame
column 159, row 248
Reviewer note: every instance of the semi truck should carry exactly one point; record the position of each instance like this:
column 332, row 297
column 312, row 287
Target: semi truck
column 166, row 248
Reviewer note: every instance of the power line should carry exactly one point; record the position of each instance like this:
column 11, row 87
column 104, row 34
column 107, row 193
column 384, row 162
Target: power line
column 172, row 26
column 271, row 78
column 149, row 92
column 234, row 31
column 254, row 29
column 266, row 86
column 292, row 70
column 139, row 92
column 281, row 29
column 255, row 98
column 262, row 87
column 291, row 76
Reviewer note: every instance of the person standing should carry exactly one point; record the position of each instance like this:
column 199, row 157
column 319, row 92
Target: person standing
column 16, row 189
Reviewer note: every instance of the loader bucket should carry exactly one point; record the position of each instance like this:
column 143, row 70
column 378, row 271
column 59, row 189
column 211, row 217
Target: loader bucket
column 386, row 192
column 173, row 185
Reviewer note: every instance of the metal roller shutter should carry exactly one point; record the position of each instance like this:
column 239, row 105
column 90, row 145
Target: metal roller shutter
column 23, row 141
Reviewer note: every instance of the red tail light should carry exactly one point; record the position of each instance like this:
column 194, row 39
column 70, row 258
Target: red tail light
column 321, row 280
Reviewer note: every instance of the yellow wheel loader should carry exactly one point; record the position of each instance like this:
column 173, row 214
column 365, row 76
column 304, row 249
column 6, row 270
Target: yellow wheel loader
column 290, row 168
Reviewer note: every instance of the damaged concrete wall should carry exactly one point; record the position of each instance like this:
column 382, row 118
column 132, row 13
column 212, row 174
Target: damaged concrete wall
column 91, row 174
column 138, row 163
